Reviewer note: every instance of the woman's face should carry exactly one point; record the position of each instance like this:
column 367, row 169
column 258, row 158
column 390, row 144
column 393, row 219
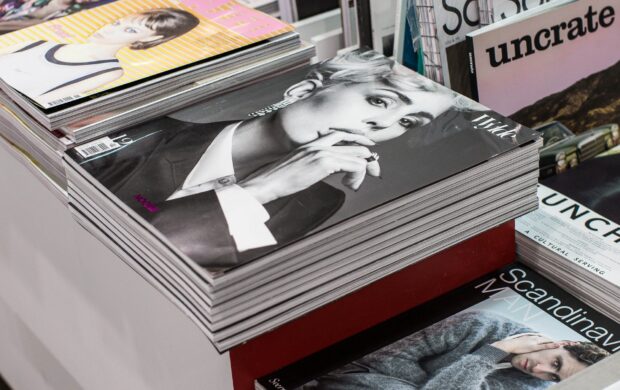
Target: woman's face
column 125, row 31
column 375, row 110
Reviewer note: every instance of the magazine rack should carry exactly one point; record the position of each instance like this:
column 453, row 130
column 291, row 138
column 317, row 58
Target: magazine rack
column 73, row 315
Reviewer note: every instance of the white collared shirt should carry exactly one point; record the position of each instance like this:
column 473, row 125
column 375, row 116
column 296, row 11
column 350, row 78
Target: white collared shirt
column 245, row 215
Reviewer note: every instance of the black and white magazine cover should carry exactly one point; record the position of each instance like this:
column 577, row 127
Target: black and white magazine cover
column 245, row 174
column 454, row 19
column 512, row 329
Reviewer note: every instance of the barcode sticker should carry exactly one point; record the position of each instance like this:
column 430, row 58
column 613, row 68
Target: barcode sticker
column 63, row 100
column 96, row 147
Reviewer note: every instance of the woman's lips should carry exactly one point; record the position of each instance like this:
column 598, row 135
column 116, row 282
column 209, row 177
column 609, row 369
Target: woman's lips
column 525, row 365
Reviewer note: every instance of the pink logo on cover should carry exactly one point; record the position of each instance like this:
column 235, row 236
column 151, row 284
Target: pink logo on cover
column 146, row 203
column 242, row 20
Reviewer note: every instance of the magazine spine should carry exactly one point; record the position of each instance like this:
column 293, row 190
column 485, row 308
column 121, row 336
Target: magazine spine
column 472, row 68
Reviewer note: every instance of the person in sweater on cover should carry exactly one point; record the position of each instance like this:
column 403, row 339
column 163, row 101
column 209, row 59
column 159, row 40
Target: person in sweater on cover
column 50, row 72
column 467, row 351
column 227, row 192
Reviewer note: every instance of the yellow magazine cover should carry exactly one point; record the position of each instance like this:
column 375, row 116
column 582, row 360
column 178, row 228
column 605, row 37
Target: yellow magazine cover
column 95, row 50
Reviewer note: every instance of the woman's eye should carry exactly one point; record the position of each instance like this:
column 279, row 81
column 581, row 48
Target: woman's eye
column 555, row 378
column 410, row 122
column 130, row 30
column 379, row 101
column 405, row 122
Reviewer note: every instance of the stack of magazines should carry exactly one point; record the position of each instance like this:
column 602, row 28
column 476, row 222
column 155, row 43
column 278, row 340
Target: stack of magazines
column 574, row 237
column 254, row 207
column 76, row 78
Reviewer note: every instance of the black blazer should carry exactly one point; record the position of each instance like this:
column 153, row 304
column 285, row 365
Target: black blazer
column 145, row 172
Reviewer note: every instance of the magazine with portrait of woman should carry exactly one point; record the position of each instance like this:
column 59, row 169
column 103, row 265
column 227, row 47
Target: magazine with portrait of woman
column 83, row 53
column 242, row 175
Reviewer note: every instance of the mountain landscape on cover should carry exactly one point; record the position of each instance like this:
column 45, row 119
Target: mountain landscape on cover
column 590, row 102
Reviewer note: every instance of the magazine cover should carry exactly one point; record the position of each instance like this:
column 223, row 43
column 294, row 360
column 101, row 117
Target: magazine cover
column 579, row 218
column 95, row 50
column 509, row 330
column 18, row 14
column 566, row 54
column 244, row 174
column 454, row 19
column 574, row 110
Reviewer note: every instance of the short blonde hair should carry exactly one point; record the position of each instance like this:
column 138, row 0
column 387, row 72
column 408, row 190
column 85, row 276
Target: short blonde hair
column 364, row 65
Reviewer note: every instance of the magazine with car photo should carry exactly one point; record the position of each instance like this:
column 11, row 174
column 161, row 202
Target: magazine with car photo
column 573, row 110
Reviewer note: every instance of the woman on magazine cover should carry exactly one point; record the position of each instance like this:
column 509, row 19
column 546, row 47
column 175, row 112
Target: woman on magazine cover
column 227, row 192
column 468, row 351
column 49, row 72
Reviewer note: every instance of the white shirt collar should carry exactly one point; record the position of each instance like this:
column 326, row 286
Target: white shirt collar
column 215, row 164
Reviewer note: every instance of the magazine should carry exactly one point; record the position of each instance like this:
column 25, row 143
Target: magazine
column 454, row 19
column 303, row 152
column 578, row 217
column 574, row 110
column 512, row 329
column 66, row 60
column 578, row 36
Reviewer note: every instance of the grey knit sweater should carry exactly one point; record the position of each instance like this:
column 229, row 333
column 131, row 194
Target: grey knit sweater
column 452, row 354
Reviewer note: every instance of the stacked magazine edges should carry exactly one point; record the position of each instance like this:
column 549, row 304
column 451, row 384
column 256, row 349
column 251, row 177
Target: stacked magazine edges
column 77, row 78
column 257, row 206
column 574, row 237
